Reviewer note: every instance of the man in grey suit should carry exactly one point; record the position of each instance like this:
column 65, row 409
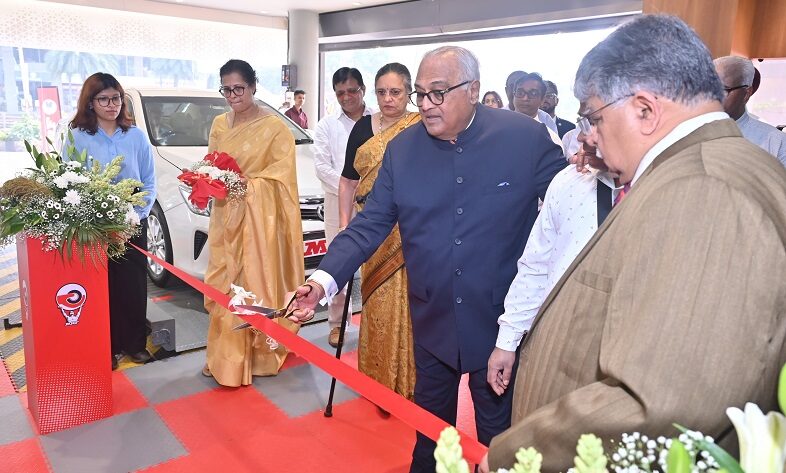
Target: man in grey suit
column 674, row 310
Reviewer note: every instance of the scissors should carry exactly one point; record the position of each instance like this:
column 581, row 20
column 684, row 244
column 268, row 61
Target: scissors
column 268, row 312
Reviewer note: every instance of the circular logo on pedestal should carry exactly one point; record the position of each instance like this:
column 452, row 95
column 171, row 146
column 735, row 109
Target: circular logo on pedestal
column 70, row 300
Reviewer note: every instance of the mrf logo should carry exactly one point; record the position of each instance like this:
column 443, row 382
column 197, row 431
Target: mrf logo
column 70, row 300
column 314, row 247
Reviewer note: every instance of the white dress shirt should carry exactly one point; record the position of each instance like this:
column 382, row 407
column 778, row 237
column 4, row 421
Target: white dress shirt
column 763, row 135
column 565, row 224
column 552, row 134
column 330, row 146
column 679, row 132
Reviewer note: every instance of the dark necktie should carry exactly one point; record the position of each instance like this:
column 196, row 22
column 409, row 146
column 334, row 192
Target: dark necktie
column 604, row 201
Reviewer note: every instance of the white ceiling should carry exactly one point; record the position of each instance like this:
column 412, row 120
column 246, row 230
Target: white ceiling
column 279, row 7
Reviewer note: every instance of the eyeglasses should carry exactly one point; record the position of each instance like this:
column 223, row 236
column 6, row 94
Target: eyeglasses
column 437, row 97
column 227, row 92
column 586, row 123
column 732, row 89
column 532, row 93
column 341, row 93
column 394, row 93
column 550, row 96
column 103, row 100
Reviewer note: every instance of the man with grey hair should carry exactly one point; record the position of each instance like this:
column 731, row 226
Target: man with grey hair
column 737, row 75
column 463, row 187
column 673, row 311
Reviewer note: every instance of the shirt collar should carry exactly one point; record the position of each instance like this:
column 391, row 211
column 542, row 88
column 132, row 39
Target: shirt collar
column 744, row 118
column 679, row 132
column 366, row 111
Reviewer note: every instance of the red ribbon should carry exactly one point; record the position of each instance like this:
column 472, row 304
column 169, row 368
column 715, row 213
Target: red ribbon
column 408, row 412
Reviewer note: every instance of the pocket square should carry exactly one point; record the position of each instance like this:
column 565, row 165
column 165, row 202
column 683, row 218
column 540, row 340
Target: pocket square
column 503, row 184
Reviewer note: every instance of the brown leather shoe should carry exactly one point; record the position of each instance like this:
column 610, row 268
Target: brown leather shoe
column 333, row 337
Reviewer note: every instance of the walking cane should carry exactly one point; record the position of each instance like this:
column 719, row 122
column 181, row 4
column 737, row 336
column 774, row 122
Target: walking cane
column 344, row 317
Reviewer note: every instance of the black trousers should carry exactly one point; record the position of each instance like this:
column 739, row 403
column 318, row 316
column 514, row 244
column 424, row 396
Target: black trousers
column 436, row 390
column 128, row 298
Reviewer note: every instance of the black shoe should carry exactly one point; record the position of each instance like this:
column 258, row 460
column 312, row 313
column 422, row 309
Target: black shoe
column 141, row 357
column 114, row 362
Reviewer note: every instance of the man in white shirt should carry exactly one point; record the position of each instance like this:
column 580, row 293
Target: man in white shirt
column 528, row 94
column 737, row 75
column 330, row 145
column 576, row 203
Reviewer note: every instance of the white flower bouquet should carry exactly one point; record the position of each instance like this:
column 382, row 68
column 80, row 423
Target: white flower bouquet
column 69, row 205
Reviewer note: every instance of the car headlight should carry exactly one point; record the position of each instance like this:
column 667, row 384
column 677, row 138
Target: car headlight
column 185, row 191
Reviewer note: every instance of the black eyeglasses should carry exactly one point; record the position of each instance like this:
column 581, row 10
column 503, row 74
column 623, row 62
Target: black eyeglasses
column 732, row 89
column 227, row 92
column 586, row 123
column 532, row 93
column 103, row 100
column 437, row 97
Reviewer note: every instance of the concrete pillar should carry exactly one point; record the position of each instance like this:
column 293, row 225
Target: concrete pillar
column 304, row 53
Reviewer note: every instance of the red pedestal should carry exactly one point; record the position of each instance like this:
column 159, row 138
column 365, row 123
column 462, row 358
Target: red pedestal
column 65, row 320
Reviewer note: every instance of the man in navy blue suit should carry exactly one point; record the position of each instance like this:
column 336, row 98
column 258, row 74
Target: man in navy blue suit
column 463, row 187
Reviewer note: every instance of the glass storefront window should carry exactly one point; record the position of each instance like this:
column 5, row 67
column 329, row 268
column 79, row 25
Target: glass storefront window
column 555, row 56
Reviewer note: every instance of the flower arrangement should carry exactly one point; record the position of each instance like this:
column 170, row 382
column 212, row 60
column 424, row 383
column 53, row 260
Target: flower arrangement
column 69, row 204
column 216, row 176
column 762, row 441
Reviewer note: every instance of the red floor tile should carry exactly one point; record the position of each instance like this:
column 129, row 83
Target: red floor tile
column 25, row 456
column 6, row 387
column 361, row 438
column 221, row 415
column 293, row 360
column 125, row 396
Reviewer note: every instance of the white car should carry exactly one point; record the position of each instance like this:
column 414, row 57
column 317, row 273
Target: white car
column 177, row 123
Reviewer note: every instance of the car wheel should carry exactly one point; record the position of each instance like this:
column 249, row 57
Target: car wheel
column 159, row 244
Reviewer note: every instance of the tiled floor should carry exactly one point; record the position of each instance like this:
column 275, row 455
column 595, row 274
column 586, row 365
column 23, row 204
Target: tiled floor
column 170, row 418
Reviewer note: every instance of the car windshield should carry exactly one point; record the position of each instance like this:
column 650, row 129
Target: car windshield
column 186, row 121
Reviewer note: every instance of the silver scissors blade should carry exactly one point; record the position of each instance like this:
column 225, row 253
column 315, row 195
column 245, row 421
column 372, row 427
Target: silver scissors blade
column 267, row 312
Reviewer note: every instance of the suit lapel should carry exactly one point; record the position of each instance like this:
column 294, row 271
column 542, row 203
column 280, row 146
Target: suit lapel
column 710, row 131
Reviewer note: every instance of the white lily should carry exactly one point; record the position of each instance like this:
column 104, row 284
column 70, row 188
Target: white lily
column 762, row 439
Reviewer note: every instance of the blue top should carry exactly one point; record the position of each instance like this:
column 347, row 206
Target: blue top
column 137, row 155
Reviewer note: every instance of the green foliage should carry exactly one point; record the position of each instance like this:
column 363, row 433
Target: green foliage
column 4, row 136
column 725, row 461
column 70, row 207
column 590, row 458
column 678, row 459
column 27, row 128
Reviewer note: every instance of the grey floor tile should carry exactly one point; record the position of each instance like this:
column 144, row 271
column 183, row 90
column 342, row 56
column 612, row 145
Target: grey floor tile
column 121, row 443
column 171, row 378
column 13, row 419
column 301, row 390
column 318, row 335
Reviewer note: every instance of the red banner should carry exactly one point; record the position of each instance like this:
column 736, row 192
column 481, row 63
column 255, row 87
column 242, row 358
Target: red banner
column 49, row 110
column 408, row 412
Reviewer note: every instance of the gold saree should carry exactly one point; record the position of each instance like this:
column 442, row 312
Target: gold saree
column 385, row 350
column 256, row 242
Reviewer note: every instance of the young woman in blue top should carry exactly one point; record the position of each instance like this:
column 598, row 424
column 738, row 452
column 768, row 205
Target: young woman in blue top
column 103, row 127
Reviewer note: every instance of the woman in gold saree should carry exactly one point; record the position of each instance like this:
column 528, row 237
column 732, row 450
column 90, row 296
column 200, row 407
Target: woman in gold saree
column 255, row 242
column 385, row 350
